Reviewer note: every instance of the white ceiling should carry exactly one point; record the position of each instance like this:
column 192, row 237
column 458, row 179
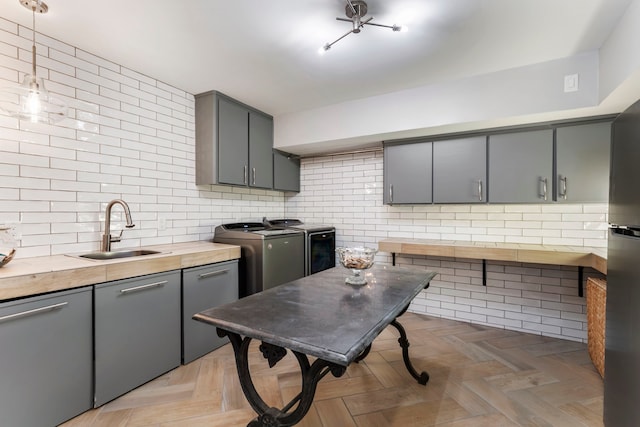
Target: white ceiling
column 265, row 52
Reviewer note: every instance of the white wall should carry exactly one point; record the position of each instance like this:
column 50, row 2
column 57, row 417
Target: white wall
column 346, row 191
column 489, row 98
column 130, row 137
column 620, row 57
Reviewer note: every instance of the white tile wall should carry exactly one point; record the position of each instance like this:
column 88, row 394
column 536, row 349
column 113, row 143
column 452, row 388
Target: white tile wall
column 346, row 190
column 129, row 137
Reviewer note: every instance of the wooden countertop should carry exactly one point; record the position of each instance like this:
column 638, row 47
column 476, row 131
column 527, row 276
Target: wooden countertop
column 31, row 276
column 595, row 258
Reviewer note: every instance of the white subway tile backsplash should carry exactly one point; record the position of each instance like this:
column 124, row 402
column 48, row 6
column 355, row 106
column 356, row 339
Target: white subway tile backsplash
column 42, row 172
column 69, row 58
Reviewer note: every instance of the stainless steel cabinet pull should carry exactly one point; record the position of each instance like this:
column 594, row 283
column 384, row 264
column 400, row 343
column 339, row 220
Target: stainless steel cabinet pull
column 391, row 193
column 141, row 287
column 32, row 312
column 480, row 189
column 563, row 193
column 253, row 172
column 544, row 188
column 213, row 273
column 244, row 180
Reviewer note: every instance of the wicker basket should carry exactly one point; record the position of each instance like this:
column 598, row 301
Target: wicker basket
column 596, row 313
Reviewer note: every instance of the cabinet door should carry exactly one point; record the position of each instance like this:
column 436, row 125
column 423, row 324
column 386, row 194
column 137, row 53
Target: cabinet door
column 408, row 173
column 286, row 172
column 582, row 163
column 46, row 358
column 521, row 167
column 260, row 150
column 202, row 288
column 137, row 332
column 233, row 143
column 460, row 170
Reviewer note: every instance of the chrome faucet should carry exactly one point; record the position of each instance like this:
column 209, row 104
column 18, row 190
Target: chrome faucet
column 106, row 237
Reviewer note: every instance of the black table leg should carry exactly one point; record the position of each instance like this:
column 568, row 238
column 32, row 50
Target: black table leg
column 423, row 377
column 364, row 354
column 311, row 374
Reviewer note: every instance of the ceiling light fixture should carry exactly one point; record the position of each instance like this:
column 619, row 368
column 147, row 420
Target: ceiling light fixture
column 356, row 10
column 30, row 100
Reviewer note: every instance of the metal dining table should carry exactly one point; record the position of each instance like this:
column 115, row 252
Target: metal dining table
column 318, row 316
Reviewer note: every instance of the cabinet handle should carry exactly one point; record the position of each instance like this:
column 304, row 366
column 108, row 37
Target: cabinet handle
column 213, row 273
column 391, row 193
column 253, row 172
column 244, row 179
column 32, row 312
column 480, row 190
column 563, row 193
column 544, row 188
column 142, row 287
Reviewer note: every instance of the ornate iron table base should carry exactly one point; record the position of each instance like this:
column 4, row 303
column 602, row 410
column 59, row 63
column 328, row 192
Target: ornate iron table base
column 311, row 374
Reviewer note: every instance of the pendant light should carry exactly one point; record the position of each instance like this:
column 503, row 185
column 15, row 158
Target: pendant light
column 31, row 101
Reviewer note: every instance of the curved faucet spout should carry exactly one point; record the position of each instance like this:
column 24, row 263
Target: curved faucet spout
column 107, row 239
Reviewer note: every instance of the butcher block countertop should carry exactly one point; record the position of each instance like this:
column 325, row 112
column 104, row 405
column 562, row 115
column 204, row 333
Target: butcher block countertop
column 31, row 276
column 595, row 258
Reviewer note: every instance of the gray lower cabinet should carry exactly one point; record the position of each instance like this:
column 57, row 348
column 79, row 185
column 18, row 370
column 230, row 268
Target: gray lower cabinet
column 46, row 358
column 202, row 288
column 460, row 170
column 137, row 332
column 408, row 173
column 582, row 163
column 233, row 142
column 286, row 172
column 521, row 167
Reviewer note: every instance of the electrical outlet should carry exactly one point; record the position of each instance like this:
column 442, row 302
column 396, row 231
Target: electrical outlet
column 162, row 223
column 571, row 83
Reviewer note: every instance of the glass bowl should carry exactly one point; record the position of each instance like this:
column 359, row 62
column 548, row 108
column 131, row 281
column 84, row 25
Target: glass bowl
column 356, row 259
column 7, row 244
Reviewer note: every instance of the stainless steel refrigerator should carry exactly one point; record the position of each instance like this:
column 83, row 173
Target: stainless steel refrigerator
column 622, row 338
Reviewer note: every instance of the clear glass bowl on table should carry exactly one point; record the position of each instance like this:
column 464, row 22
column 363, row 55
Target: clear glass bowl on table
column 356, row 259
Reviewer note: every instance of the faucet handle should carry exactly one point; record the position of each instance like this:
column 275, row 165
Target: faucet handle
column 128, row 226
column 116, row 239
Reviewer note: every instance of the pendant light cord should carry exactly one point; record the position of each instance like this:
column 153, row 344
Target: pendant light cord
column 33, row 47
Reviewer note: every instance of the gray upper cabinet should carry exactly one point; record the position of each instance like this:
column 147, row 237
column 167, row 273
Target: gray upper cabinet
column 521, row 167
column 46, row 358
column 233, row 142
column 582, row 163
column 408, row 173
column 460, row 170
column 260, row 150
column 286, row 172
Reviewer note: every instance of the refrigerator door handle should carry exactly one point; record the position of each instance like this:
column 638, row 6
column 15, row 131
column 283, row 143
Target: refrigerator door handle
column 626, row 231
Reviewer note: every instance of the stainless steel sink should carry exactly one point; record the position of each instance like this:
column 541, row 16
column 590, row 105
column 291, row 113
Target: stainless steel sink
column 118, row 254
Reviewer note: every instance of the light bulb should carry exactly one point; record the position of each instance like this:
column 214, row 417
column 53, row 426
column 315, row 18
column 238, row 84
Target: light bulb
column 33, row 105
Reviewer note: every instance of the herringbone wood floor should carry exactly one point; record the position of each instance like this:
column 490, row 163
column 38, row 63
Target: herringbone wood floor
column 480, row 376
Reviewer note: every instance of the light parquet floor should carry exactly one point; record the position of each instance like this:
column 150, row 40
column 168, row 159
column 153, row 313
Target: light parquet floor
column 480, row 376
